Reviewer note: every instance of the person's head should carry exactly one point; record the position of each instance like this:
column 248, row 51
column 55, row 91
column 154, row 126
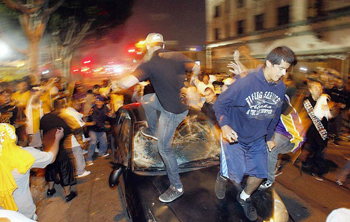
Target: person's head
column 6, row 96
column 100, row 101
column 59, row 104
column 206, row 79
column 75, row 104
column 209, row 95
column 79, row 89
column 277, row 63
column 22, row 86
column 95, row 89
column 43, row 81
column 315, row 88
column 154, row 41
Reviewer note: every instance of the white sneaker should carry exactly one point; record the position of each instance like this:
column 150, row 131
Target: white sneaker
column 89, row 163
column 104, row 155
column 86, row 173
column 265, row 185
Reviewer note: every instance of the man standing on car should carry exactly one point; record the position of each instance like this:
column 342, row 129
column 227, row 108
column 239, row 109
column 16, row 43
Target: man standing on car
column 247, row 113
column 166, row 72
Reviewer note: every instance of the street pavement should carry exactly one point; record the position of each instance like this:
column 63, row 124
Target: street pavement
column 305, row 198
column 95, row 202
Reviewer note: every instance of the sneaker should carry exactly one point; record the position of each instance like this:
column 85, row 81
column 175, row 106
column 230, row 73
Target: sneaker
column 89, row 163
column 317, row 177
column 97, row 150
column 265, row 185
column 278, row 173
column 336, row 143
column 248, row 208
column 71, row 196
column 220, row 186
column 104, row 155
column 86, row 173
column 339, row 182
column 147, row 133
column 171, row 194
column 51, row 192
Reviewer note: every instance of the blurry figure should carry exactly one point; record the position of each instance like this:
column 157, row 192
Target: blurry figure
column 202, row 85
column 80, row 95
column 98, row 124
column 21, row 97
column 96, row 89
column 16, row 163
column 34, row 112
column 317, row 135
column 191, row 97
column 105, row 89
column 89, row 102
column 137, row 94
column 227, row 82
column 343, row 174
column 75, row 142
column 207, row 108
column 62, row 170
column 8, row 110
column 289, row 136
column 46, row 96
column 117, row 99
column 340, row 96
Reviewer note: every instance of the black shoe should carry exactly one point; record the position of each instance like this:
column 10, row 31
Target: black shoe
column 336, row 142
column 249, row 209
column 51, row 192
column 71, row 196
column 220, row 187
column 147, row 133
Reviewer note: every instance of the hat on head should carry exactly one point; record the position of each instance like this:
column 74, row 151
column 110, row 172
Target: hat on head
column 154, row 38
column 100, row 98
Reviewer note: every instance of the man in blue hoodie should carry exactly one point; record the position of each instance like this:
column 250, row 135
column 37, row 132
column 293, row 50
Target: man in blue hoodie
column 248, row 112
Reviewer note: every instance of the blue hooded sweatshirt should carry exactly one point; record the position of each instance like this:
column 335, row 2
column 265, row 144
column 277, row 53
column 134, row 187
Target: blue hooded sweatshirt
column 251, row 106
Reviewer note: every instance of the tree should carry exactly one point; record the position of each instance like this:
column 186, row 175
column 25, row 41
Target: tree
column 69, row 23
column 79, row 20
column 33, row 17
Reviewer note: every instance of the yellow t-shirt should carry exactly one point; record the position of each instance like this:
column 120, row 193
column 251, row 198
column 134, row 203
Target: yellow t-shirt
column 20, row 98
column 117, row 101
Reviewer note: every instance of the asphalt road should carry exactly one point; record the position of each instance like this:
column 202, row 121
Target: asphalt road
column 305, row 198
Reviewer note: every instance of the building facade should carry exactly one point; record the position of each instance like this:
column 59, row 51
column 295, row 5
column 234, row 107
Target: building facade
column 317, row 31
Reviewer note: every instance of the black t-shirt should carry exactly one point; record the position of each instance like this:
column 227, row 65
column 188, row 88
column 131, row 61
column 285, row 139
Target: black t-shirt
column 312, row 135
column 50, row 121
column 208, row 110
column 166, row 71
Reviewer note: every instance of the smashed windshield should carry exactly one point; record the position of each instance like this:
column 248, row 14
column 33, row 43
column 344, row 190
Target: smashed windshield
column 195, row 139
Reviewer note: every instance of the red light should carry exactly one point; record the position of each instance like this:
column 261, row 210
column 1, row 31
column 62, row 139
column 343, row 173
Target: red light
column 87, row 61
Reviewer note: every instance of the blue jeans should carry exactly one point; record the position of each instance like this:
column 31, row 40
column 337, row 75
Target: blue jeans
column 283, row 145
column 167, row 124
column 94, row 138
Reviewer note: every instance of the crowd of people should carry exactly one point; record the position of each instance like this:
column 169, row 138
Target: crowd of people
column 260, row 112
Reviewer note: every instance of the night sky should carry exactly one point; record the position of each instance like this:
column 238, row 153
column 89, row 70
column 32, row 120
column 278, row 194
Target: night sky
column 180, row 20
